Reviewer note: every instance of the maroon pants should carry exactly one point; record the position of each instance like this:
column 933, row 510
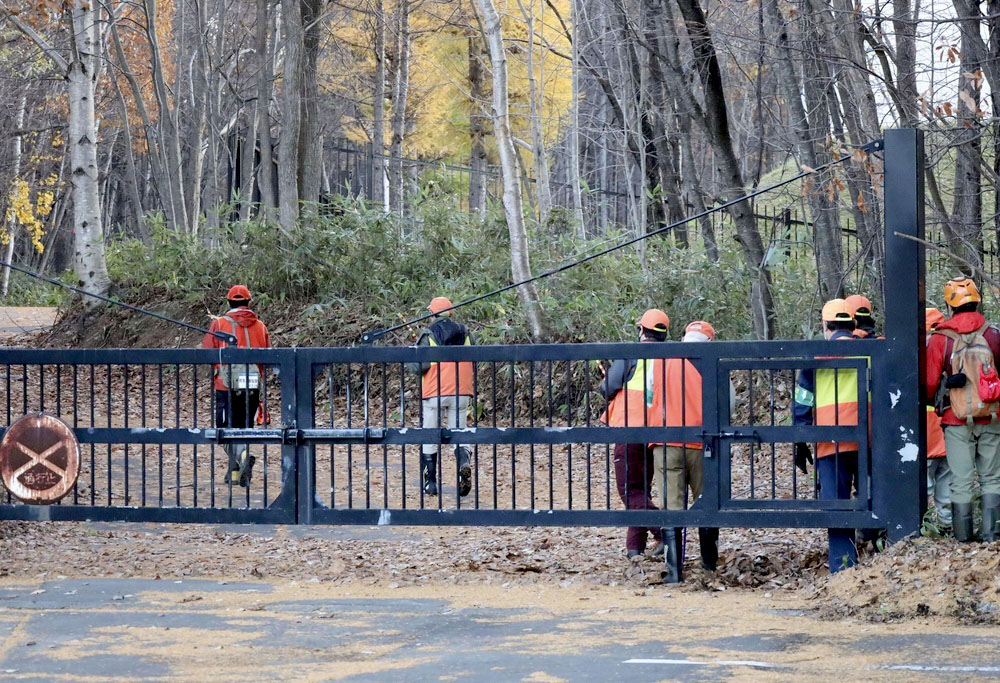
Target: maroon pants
column 634, row 474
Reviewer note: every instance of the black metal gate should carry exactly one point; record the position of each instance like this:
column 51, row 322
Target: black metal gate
column 347, row 428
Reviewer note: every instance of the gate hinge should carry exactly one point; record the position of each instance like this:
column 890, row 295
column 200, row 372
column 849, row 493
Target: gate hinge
column 873, row 146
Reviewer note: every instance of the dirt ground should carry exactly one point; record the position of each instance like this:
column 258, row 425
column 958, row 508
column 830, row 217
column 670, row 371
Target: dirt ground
column 16, row 321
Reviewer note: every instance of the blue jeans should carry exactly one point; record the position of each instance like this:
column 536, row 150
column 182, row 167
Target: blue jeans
column 837, row 474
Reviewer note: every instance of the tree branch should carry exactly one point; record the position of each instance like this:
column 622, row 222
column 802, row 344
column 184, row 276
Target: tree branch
column 36, row 38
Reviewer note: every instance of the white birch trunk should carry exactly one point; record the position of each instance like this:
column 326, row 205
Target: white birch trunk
column 88, row 254
column 12, row 225
column 291, row 113
column 378, row 110
column 512, row 200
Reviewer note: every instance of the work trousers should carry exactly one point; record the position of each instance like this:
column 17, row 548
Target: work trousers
column 675, row 470
column 837, row 474
column 939, row 486
column 634, row 475
column 236, row 409
column 971, row 450
column 444, row 412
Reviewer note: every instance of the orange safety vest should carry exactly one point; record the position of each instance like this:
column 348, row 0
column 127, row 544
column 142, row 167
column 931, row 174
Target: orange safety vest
column 935, row 435
column 836, row 395
column 628, row 407
column 676, row 398
column 451, row 379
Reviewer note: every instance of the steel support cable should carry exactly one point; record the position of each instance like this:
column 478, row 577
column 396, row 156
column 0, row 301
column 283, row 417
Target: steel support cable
column 224, row 336
column 375, row 335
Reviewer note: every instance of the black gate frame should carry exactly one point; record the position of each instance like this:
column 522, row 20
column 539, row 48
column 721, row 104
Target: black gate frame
column 897, row 500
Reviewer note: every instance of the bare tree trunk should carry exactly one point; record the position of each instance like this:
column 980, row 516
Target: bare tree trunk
column 12, row 224
column 574, row 128
column 478, row 162
column 246, row 163
column 89, row 260
column 264, row 46
column 400, row 90
column 512, row 202
column 543, row 192
column 311, row 128
column 827, row 239
column 378, row 109
column 714, row 119
column 288, row 156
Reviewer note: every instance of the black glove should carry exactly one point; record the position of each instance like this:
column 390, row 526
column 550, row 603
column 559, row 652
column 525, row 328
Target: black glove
column 802, row 456
column 956, row 381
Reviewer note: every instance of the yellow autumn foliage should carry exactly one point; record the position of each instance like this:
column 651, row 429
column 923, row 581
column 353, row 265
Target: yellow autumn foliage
column 30, row 215
column 439, row 102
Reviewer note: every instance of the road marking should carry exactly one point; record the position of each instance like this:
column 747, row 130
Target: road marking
column 720, row 662
column 945, row 669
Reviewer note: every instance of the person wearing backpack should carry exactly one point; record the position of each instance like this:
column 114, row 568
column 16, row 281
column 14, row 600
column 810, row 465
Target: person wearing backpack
column 446, row 390
column 964, row 350
column 237, row 386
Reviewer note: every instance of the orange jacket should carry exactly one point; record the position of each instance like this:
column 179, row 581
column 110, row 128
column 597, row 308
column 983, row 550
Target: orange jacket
column 447, row 378
column 628, row 385
column 676, row 397
column 248, row 324
column 935, row 435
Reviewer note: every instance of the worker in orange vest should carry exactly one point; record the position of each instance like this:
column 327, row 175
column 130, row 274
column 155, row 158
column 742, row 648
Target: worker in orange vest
column 829, row 397
column 861, row 308
column 627, row 386
column 237, row 386
column 677, row 402
column 445, row 390
column 938, row 472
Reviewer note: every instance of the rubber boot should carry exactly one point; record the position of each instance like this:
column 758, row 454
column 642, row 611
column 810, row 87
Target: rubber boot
column 961, row 519
column 464, row 471
column 673, row 555
column 246, row 462
column 991, row 517
column 233, row 471
column 428, row 478
column 708, row 539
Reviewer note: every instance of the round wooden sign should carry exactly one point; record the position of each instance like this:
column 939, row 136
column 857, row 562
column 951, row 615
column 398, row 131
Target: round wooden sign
column 39, row 459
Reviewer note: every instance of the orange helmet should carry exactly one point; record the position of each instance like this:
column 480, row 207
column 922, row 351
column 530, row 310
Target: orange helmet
column 439, row 304
column 654, row 319
column 932, row 318
column 960, row 292
column 837, row 310
column 857, row 303
column 701, row 326
column 238, row 293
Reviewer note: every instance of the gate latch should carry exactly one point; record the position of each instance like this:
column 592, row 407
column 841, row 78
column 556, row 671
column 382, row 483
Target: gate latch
column 733, row 436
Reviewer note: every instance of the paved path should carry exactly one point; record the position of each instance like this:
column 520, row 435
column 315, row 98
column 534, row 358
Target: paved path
column 18, row 320
column 182, row 629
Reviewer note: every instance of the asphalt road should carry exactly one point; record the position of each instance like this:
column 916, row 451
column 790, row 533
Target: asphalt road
column 183, row 629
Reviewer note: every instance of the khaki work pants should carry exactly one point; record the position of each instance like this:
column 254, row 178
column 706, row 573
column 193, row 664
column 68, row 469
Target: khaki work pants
column 676, row 469
column 444, row 412
column 970, row 450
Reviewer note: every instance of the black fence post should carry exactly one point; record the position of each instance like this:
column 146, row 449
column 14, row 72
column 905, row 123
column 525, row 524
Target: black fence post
column 899, row 468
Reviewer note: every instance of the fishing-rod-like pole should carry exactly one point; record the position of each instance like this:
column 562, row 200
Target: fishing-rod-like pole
column 375, row 335
column 224, row 336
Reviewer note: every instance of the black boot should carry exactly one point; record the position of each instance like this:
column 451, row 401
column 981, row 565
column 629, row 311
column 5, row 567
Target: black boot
column 428, row 478
column 708, row 539
column 246, row 462
column 962, row 521
column 991, row 517
column 233, row 470
column 464, row 471
column 673, row 555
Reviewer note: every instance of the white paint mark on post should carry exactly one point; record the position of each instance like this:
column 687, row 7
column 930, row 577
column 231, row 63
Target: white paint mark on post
column 384, row 518
column 909, row 452
column 894, row 397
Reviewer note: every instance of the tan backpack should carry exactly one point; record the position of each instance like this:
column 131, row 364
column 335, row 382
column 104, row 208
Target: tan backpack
column 971, row 355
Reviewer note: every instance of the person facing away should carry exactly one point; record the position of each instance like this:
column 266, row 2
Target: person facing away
column 963, row 350
column 829, row 397
column 627, row 386
column 677, row 467
column 445, row 390
column 861, row 308
column 938, row 472
column 237, row 386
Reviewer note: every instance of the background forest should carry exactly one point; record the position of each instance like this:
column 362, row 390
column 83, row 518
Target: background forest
column 350, row 159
